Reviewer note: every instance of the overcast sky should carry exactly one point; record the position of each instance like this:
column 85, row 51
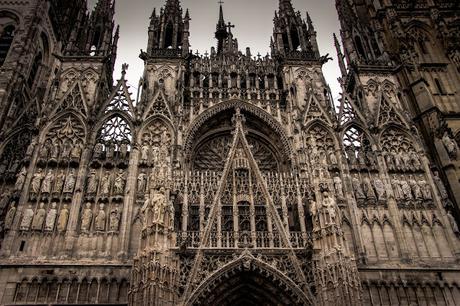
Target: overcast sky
column 253, row 20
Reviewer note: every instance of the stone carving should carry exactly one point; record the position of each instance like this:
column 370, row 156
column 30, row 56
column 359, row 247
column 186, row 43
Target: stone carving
column 358, row 189
column 86, row 218
column 440, row 185
column 31, row 147
column 93, row 182
column 36, row 181
column 9, row 218
column 416, row 190
column 450, row 145
column 99, row 222
column 330, row 208
column 145, row 153
column 69, row 184
column 27, row 217
column 76, row 152
column 380, row 189
column 105, row 184
column 98, row 150
column 123, row 150
column 51, row 218
column 48, row 182
column 398, row 192
column 114, row 222
column 368, row 188
column 60, row 179
column 159, row 206
column 338, row 186
column 141, row 182
column 109, row 150
column 333, row 158
column 20, row 179
column 147, row 212
column 426, row 189
column 406, row 190
column 63, row 218
column 39, row 218
column 453, row 223
column 119, row 183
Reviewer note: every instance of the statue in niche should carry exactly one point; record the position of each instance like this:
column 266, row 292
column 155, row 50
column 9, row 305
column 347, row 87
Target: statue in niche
column 114, row 221
column 105, row 184
column 39, row 218
column 37, row 181
column 86, row 218
column 371, row 160
column 301, row 92
column 9, row 218
column 48, row 182
column 450, row 145
column 330, row 208
column 76, row 151
column 163, row 150
column 60, row 179
column 20, row 179
column 380, row 188
column 44, row 152
column 31, row 148
column 389, row 159
column 145, row 153
column 338, row 186
column 159, row 206
column 123, row 150
column 398, row 161
column 426, row 189
column 332, row 158
column 51, row 218
column 54, row 148
column 156, row 155
column 109, row 150
column 359, row 192
column 27, row 217
column 63, row 218
column 406, row 190
column 416, row 191
column 69, row 184
column 453, row 223
column 322, row 158
column 93, row 182
column 99, row 222
column 361, row 157
column 350, row 150
column 147, row 211
column 141, row 182
column 368, row 188
column 396, row 184
column 98, row 150
column 119, row 184
column 416, row 164
column 313, row 209
column 171, row 212
column 440, row 185
column 67, row 149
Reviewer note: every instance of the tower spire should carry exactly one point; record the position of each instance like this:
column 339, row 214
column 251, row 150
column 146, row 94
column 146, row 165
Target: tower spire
column 221, row 29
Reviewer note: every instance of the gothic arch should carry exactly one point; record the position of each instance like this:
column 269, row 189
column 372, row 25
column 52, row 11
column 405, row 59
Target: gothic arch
column 358, row 126
column 323, row 125
column 163, row 119
column 201, row 120
column 398, row 129
column 107, row 117
column 247, row 264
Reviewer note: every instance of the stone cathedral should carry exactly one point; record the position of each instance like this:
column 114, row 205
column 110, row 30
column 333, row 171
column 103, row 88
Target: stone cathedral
column 230, row 178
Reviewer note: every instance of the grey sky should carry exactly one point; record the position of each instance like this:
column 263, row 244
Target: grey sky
column 253, row 20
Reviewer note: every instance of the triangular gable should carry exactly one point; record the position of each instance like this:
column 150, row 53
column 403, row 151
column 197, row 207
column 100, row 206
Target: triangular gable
column 349, row 111
column 120, row 99
column 74, row 99
column 314, row 110
column 387, row 113
column 241, row 157
column 158, row 106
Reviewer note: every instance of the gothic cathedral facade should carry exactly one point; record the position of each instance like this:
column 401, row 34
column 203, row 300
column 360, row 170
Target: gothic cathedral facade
column 229, row 178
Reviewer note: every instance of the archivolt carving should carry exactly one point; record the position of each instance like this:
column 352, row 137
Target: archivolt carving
column 267, row 118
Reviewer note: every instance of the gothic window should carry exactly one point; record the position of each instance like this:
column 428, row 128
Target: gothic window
column 360, row 46
column 295, row 38
column 169, row 36
column 286, row 41
column 119, row 102
column 6, row 39
column 244, row 217
column 375, row 47
column 115, row 131
column 35, row 69
column 347, row 113
column 358, row 148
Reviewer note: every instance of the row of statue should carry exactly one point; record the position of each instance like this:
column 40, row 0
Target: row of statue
column 39, row 220
column 106, row 185
column 57, row 150
column 154, row 154
column 327, row 208
column 403, row 161
column 99, row 219
column 111, row 150
column 156, row 208
column 47, row 182
column 359, row 156
column 159, row 176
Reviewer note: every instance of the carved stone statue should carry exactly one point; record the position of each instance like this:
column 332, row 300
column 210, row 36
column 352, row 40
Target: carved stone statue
column 54, row 150
column 93, row 182
column 361, row 157
column 426, row 190
column 313, row 209
column 9, row 218
column 338, row 186
column 416, row 164
column 60, row 179
column 380, row 189
column 350, row 150
column 453, row 223
column 119, row 184
column 99, row 222
column 27, row 217
column 109, row 150
column 86, row 218
column 98, row 150
column 333, row 158
column 63, row 218
column 51, row 218
column 450, row 145
column 159, row 206
column 330, row 207
column 44, row 152
column 37, row 181
column 76, row 151
column 105, row 184
column 398, row 161
column 114, row 221
column 31, row 147
column 69, row 184
column 141, row 182
column 358, row 189
column 39, row 218
column 48, row 182
column 147, row 211
column 123, row 150
column 21, row 179
column 67, row 148
column 397, row 188
column 390, row 161
column 370, row 156
column 440, row 185
column 369, row 189
column 145, row 153
column 406, row 190
column 406, row 161
column 416, row 191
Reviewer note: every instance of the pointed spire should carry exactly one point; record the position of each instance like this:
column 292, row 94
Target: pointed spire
column 221, row 30
column 343, row 67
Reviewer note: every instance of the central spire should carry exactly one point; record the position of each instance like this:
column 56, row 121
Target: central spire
column 221, row 30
